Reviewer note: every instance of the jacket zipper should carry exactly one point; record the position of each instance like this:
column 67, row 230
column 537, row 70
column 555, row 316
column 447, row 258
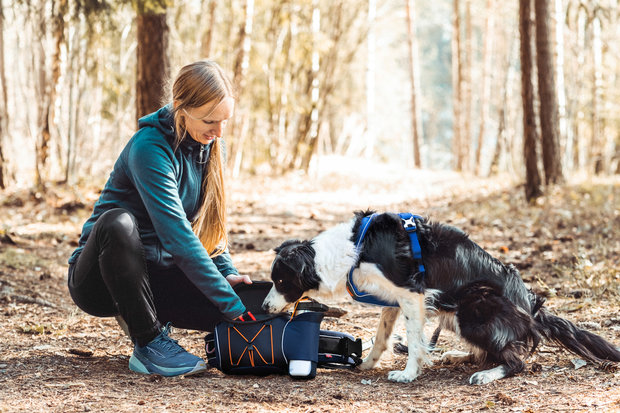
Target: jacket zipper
column 202, row 149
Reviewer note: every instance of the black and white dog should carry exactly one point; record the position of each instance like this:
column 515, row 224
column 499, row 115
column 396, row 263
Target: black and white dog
column 476, row 296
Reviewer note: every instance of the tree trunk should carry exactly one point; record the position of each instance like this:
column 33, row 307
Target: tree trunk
column 466, row 137
column 312, row 130
column 597, row 156
column 242, row 47
column 509, row 73
column 416, row 118
column 371, row 72
column 45, row 91
column 3, row 83
column 549, row 124
column 565, row 139
column 207, row 35
column 3, row 102
column 73, row 84
column 457, row 88
column 530, row 136
column 290, row 42
column 240, row 66
column 487, row 54
column 578, row 113
column 153, row 68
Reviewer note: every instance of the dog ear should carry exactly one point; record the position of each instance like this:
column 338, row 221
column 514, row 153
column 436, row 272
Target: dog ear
column 295, row 254
column 294, row 260
column 286, row 244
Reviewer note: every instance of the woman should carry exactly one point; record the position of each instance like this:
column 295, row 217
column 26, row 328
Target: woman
column 154, row 251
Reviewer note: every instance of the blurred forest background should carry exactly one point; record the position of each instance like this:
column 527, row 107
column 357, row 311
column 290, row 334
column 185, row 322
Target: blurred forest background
column 530, row 88
column 442, row 107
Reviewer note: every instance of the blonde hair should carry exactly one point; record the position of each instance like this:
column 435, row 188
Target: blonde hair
column 197, row 84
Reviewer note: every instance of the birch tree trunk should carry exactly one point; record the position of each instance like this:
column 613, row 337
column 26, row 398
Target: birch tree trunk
column 277, row 36
column 578, row 115
column 509, row 73
column 597, row 156
column 209, row 23
column 466, row 137
column 3, row 102
column 47, row 83
column 485, row 103
column 153, row 67
column 313, row 122
column 44, row 90
column 73, row 85
column 290, row 42
column 240, row 66
column 370, row 80
column 3, row 83
column 416, row 117
column 548, row 97
column 530, row 136
column 563, row 132
column 457, row 87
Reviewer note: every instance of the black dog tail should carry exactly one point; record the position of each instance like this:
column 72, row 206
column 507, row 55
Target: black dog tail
column 581, row 342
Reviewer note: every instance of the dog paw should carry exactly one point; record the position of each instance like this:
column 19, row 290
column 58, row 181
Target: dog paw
column 487, row 376
column 455, row 357
column 401, row 376
column 367, row 364
column 480, row 378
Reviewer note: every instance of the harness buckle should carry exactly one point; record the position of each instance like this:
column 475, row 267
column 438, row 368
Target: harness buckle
column 408, row 223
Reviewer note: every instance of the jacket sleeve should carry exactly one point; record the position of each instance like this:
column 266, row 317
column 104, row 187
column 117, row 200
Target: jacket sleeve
column 224, row 264
column 150, row 167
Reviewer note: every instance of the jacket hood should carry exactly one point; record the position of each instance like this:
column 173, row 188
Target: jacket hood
column 162, row 120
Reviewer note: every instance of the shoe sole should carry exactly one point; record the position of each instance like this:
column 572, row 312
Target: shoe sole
column 135, row 364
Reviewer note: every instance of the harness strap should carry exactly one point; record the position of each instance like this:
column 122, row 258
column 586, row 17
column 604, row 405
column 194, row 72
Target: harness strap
column 409, row 225
column 408, row 221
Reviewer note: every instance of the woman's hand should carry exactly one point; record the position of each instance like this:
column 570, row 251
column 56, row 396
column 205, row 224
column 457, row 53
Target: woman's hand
column 234, row 279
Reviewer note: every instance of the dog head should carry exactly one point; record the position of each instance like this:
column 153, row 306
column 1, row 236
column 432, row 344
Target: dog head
column 293, row 274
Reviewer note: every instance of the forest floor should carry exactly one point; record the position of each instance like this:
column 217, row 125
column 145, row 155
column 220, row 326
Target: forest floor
column 55, row 358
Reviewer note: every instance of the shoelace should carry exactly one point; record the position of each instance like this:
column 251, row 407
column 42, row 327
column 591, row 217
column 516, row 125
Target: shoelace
column 168, row 343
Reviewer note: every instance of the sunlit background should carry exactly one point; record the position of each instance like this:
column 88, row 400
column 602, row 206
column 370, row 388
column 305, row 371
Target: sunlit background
column 316, row 79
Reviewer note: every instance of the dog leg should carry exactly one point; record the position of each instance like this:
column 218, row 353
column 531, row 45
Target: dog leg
column 414, row 312
column 457, row 357
column 386, row 325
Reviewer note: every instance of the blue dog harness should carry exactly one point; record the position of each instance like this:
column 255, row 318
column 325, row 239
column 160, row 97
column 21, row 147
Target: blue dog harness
column 408, row 221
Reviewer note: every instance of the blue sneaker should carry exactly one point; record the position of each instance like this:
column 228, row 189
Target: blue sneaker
column 166, row 357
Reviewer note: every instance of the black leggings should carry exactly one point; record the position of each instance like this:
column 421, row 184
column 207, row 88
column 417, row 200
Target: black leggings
column 111, row 277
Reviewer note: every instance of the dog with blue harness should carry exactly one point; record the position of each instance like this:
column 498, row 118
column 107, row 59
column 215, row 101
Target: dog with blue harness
column 410, row 265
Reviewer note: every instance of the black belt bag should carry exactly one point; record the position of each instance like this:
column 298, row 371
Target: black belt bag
column 277, row 344
column 281, row 343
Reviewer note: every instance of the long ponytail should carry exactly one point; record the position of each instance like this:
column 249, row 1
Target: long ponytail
column 210, row 226
column 197, row 84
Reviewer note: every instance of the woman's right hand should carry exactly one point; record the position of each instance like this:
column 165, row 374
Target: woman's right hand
column 234, row 279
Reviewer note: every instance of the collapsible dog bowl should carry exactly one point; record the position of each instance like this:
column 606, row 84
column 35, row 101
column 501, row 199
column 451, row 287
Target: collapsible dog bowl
column 253, row 295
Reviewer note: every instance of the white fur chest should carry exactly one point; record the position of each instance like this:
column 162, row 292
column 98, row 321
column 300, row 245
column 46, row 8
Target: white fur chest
column 335, row 255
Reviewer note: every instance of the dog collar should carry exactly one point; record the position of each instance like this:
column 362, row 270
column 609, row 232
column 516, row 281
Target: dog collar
column 408, row 221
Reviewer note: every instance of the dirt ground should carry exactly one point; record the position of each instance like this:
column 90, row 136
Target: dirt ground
column 55, row 358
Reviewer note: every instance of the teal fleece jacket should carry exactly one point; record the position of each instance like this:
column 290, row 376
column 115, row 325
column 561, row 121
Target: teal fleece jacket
column 161, row 187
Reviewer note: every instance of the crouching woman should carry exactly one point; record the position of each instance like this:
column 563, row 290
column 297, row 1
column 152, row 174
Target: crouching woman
column 154, row 251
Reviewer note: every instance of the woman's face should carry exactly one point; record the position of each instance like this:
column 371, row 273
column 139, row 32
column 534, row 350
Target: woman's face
column 207, row 122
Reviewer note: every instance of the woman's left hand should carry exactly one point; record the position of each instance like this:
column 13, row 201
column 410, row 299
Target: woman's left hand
column 234, row 279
